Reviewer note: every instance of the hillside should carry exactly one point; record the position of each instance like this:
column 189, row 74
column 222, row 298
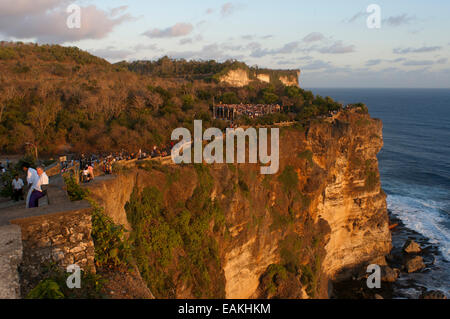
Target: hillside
column 64, row 99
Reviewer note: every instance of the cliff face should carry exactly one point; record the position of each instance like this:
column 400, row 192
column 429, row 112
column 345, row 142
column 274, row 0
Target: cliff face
column 284, row 235
column 236, row 78
column 291, row 80
column 241, row 77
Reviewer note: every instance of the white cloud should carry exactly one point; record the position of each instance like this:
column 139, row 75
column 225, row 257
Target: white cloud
column 373, row 62
column 316, row 65
column 418, row 62
column 399, row 20
column 313, row 37
column 46, row 21
column 337, row 47
column 111, row 53
column 355, row 17
column 177, row 30
column 227, row 9
column 211, row 51
column 416, row 50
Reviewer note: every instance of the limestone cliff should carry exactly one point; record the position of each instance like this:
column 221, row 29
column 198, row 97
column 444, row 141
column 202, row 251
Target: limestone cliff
column 240, row 77
column 290, row 80
column 284, row 235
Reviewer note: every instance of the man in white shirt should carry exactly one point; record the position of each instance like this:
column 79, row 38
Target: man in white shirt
column 38, row 188
column 17, row 185
column 32, row 179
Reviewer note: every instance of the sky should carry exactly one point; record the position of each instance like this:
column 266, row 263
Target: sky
column 329, row 41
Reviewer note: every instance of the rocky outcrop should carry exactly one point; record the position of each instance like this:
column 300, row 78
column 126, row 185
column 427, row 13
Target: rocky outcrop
column 352, row 201
column 241, row 77
column 324, row 212
column 388, row 274
column 415, row 264
column 434, row 294
column 411, row 247
column 236, row 78
column 291, row 80
column 263, row 77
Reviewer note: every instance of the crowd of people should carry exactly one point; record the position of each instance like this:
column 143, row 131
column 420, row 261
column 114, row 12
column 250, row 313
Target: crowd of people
column 37, row 180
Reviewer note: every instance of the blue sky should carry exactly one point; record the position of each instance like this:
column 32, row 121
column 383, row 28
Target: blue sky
column 328, row 40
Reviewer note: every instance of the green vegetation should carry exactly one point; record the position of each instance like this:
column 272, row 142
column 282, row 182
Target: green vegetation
column 362, row 108
column 289, row 179
column 272, row 278
column 167, row 240
column 371, row 175
column 74, row 190
column 46, row 289
column 112, row 250
column 307, row 155
column 53, row 285
column 91, row 105
column 292, row 269
column 279, row 220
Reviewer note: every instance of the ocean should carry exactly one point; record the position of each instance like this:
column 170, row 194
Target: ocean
column 414, row 164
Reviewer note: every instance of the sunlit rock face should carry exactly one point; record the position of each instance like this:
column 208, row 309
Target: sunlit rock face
column 322, row 213
column 242, row 77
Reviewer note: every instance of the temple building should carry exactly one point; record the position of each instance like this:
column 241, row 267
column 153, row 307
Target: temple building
column 230, row 112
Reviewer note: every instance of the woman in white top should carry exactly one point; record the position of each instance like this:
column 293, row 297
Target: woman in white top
column 32, row 179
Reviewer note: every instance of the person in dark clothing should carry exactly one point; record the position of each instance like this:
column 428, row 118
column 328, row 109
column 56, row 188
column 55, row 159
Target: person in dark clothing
column 17, row 185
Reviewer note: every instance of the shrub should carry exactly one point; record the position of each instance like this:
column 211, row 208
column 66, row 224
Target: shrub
column 272, row 278
column 54, row 285
column 288, row 179
column 46, row 289
column 7, row 53
column 74, row 190
column 307, row 155
column 112, row 250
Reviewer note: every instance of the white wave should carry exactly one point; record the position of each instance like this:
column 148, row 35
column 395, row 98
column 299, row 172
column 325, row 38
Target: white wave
column 424, row 217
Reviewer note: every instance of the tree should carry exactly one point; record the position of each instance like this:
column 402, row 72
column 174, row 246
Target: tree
column 42, row 117
column 270, row 98
column 230, row 98
column 5, row 96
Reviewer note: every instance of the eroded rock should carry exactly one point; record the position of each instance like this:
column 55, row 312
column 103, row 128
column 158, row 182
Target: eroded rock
column 388, row 274
column 411, row 247
column 415, row 264
column 433, row 294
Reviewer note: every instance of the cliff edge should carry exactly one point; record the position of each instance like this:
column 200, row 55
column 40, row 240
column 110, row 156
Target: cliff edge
column 234, row 233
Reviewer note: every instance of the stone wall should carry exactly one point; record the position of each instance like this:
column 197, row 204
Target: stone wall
column 62, row 239
column 10, row 258
column 56, row 234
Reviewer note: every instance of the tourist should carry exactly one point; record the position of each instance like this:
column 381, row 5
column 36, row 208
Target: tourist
column 17, row 185
column 32, row 179
column 39, row 189
column 91, row 172
column 85, row 175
